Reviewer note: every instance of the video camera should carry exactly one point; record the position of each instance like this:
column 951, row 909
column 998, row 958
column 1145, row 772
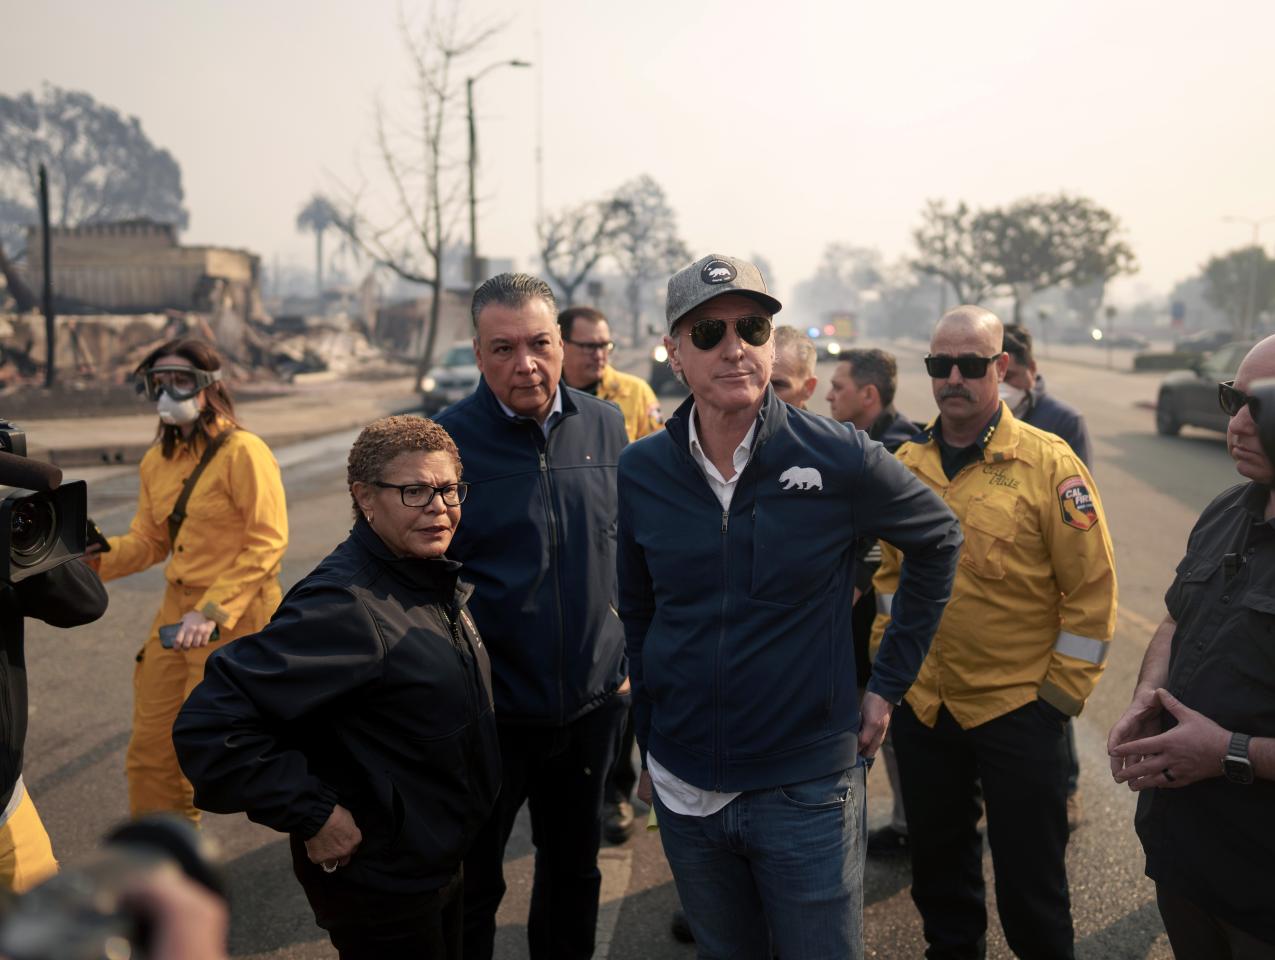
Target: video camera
column 79, row 914
column 43, row 522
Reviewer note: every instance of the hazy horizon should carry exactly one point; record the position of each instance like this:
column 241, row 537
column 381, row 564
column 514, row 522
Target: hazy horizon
column 771, row 133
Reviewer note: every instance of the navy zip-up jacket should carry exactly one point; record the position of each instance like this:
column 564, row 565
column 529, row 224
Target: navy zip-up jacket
column 738, row 624
column 537, row 538
column 1046, row 412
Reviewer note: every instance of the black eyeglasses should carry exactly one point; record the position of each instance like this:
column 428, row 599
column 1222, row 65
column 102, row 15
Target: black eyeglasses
column 422, row 494
column 1233, row 400
column 939, row 365
column 590, row 346
column 708, row 333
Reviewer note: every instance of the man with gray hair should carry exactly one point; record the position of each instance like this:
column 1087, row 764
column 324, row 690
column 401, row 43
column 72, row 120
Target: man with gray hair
column 738, row 526
column 538, row 543
column 793, row 375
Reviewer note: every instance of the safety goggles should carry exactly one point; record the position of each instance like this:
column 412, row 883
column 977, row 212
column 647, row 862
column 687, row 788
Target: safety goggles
column 708, row 333
column 422, row 494
column 939, row 365
column 180, row 383
column 1233, row 400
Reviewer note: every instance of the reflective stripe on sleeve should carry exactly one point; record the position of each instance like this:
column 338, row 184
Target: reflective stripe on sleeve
column 1082, row 648
column 884, row 602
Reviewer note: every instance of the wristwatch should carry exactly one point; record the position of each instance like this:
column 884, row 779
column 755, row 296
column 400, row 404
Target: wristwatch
column 1236, row 764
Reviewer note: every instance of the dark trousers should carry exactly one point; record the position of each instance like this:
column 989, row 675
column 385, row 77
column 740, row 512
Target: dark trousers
column 622, row 777
column 1073, row 760
column 1020, row 760
column 560, row 772
column 366, row 924
column 1196, row 934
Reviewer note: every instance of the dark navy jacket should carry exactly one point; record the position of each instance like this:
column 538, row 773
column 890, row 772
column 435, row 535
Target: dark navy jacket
column 738, row 624
column 1050, row 414
column 537, row 538
column 892, row 429
column 369, row 688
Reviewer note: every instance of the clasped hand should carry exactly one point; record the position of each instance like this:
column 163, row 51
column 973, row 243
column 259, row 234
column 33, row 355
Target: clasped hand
column 1143, row 757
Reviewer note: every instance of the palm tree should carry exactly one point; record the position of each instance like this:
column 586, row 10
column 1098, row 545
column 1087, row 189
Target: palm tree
column 317, row 215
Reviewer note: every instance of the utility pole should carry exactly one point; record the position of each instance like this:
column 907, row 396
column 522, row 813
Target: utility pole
column 50, row 325
column 474, row 278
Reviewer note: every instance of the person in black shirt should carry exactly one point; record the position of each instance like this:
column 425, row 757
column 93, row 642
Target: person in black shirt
column 1198, row 740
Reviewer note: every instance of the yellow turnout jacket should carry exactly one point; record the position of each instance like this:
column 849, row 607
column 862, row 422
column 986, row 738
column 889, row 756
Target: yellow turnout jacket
column 1033, row 607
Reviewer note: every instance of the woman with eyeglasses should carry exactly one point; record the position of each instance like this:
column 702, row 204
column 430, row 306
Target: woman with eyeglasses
column 360, row 720
column 223, row 530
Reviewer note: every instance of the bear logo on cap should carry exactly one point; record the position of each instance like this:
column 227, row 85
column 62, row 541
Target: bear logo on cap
column 718, row 271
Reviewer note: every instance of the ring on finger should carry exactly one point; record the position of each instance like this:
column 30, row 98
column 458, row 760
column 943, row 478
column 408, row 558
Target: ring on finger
column 329, row 866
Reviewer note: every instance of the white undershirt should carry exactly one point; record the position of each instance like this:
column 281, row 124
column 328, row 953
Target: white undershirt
column 675, row 793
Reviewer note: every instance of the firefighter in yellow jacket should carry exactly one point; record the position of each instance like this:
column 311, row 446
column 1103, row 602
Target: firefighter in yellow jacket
column 586, row 366
column 223, row 564
column 1020, row 647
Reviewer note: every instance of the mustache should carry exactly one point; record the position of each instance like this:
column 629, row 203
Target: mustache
column 954, row 391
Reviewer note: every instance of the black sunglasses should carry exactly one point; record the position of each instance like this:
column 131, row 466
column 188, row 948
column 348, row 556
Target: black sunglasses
column 708, row 333
column 939, row 365
column 1232, row 400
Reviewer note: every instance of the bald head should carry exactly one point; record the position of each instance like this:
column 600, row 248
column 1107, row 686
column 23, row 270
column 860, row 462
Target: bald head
column 966, row 404
column 1258, row 363
column 1243, row 436
column 971, row 324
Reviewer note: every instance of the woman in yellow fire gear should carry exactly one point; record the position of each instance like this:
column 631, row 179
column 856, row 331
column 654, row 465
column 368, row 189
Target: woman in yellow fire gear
column 223, row 564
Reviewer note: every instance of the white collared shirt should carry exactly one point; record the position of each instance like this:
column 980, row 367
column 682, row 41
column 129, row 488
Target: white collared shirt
column 723, row 488
column 675, row 793
column 555, row 411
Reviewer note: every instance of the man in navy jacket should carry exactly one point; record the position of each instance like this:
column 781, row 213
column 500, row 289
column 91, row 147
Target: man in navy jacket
column 538, row 543
column 738, row 526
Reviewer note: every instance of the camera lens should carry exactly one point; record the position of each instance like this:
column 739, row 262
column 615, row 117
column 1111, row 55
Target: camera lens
column 33, row 525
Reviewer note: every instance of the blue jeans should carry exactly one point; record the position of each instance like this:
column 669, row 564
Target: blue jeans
column 777, row 869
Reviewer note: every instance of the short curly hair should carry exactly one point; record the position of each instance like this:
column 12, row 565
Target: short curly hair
column 383, row 440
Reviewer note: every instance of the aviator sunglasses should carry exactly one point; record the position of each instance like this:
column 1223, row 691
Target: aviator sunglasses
column 1233, row 400
column 939, row 365
column 708, row 333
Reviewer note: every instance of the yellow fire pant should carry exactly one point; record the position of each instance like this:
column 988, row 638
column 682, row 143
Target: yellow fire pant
column 26, row 857
column 162, row 680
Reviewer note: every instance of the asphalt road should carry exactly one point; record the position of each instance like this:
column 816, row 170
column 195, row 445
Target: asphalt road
column 1152, row 488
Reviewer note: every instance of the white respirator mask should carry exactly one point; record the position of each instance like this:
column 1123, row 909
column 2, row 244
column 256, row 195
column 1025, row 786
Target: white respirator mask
column 1015, row 398
column 176, row 413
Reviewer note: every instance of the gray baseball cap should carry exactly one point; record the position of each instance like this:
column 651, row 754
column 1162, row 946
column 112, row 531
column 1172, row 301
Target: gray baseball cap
column 710, row 277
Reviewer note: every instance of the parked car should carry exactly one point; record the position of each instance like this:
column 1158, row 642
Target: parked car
column 661, row 379
column 1123, row 340
column 454, row 378
column 1188, row 398
column 1203, row 341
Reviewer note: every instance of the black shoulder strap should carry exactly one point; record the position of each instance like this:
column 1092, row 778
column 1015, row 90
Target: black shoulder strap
column 178, row 515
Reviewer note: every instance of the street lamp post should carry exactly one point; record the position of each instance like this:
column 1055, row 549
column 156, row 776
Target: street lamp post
column 1250, row 305
column 473, row 161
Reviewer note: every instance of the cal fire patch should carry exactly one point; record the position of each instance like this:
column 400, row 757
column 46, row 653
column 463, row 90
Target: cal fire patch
column 1076, row 504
